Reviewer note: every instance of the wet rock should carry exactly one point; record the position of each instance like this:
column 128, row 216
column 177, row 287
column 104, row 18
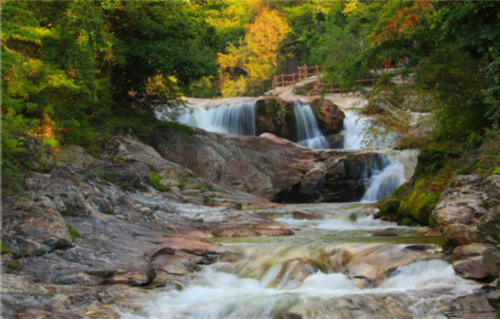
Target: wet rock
column 329, row 116
column 477, row 261
column 293, row 273
column 277, row 117
column 355, row 306
column 368, row 264
column 472, row 306
column 336, row 140
column 268, row 167
column 306, row 215
column 365, row 275
column 433, row 232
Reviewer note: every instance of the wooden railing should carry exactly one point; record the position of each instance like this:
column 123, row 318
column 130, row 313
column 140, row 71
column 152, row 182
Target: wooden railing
column 336, row 87
column 307, row 71
column 290, row 79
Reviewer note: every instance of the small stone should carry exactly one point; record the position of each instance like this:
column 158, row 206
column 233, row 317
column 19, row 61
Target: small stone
column 383, row 234
column 433, row 232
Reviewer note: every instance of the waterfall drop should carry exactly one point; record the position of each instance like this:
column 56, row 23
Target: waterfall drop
column 236, row 119
column 396, row 171
column 308, row 132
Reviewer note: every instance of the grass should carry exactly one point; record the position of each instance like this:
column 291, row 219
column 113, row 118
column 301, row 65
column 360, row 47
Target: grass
column 155, row 181
column 5, row 249
column 13, row 265
column 111, row 178
column 75, row 234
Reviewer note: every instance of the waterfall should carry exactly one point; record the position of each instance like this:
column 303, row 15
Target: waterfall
column 354, row 127
column 235, row 119
column 396, row 171
column 355, row 135
column 307, row 128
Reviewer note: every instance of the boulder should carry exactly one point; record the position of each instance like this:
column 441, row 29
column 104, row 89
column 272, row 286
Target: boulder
column 268, row 166
column 329, row 117
column 469, row 211
column 477, row 261
column 277, row 117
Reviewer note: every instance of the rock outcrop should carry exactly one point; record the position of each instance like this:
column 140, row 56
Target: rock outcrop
column 469, row 210
column 329, row 116
column 468, row 213
column 270, row 167
column 277, row 117
column 93, row 228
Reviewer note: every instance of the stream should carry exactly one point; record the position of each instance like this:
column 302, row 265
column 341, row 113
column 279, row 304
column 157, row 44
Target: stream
column 340, row 262
column 332, row 266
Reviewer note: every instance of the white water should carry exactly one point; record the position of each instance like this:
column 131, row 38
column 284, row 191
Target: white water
column 307, row 128
column 397, row 170
column 356, row 136
column 220, row 295
column 236, row 119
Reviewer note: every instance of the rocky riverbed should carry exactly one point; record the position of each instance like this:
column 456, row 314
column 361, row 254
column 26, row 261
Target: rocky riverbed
column 101, row 236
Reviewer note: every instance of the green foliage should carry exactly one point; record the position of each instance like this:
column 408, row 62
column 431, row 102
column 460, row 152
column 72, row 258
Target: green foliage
column 75, row 234
column 5, row 249
column 155, row 181
column 13, row 265
column 68, row 67
column 200, row 220
column 10, row 147
column 108, row 177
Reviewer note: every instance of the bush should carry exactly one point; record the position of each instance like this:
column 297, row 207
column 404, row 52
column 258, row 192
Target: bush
column 155, row 181
column 75, row 234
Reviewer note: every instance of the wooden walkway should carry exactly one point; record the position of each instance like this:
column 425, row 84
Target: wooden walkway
column 308, row 71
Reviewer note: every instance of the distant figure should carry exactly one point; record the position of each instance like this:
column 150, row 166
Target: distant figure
column 407, row 60
column 402, row 62
column 387, row 63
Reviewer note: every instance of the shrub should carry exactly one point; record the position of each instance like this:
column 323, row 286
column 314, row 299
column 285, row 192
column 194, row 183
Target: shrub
column 75, row 234
column 155, row 181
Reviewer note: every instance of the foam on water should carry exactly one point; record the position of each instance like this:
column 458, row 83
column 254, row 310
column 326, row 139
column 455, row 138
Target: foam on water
column 223, row 295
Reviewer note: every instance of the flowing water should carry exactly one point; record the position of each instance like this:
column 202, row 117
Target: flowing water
column 396, row 169
column 355, row 133
column 340, row 262
column 235, row 119
column 239, row 119
column 331, row 268
column 308, row 131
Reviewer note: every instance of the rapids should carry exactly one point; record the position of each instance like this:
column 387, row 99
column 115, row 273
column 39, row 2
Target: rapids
column 335, row 265
column 332, row 267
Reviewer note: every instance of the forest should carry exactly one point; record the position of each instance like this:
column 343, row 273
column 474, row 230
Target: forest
column 76, row 70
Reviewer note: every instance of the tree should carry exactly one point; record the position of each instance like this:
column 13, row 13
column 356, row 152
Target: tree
column 256, row 58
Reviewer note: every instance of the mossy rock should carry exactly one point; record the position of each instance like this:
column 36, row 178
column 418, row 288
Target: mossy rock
column 276, row 117
column 418, row 205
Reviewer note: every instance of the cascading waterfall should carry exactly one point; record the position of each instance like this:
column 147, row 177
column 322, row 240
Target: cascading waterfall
column 307, row 128
column 354, row 127
column 235, row 119
column 355, row 133
column 396, row 171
